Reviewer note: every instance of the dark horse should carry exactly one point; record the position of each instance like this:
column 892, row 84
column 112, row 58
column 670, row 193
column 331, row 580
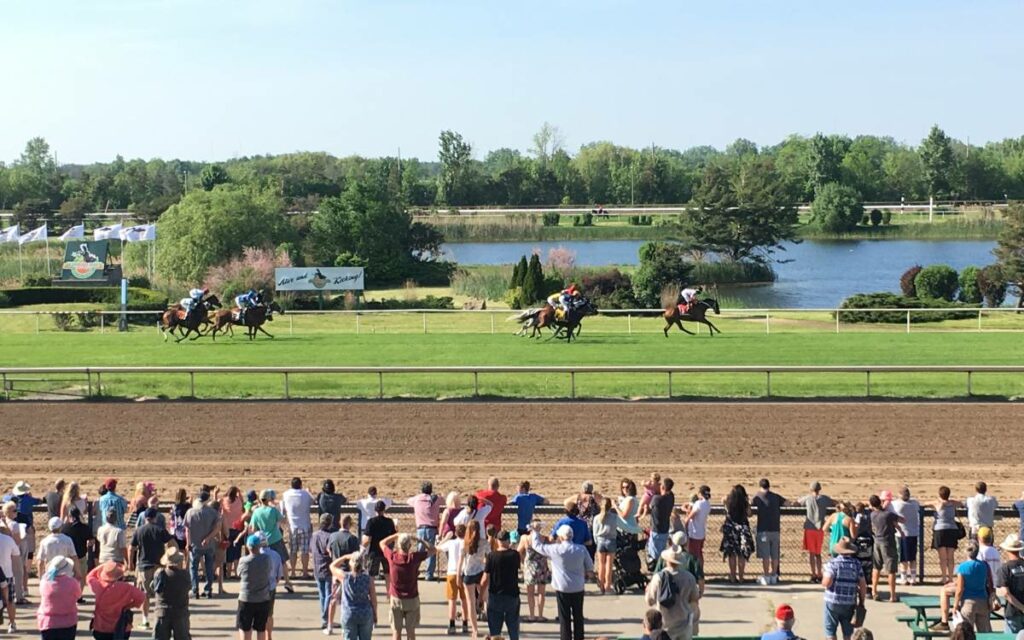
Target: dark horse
column 177, row 317
column 534, row 320
column 255, row 317
column 569, row 326
column 696, row 313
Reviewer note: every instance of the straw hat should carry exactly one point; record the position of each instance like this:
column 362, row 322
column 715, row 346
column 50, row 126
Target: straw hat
column 1012, row 542
column 844, row 548
column 21, row 488
column 673, row 556
column 110, row 572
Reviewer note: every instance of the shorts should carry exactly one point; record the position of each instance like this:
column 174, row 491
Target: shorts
column 376, row 564
column 813, row 540
column 299, row 541
column 945, row 539
column 977, row 612
column 696, row 547
column 252, row 615
column 405, row 613
column 281, row 551
column 452, row 590
column 473, row 579
column 768, row 545
column 838, row 616
column 606, row 546
column 908, row 549
column 884, row 556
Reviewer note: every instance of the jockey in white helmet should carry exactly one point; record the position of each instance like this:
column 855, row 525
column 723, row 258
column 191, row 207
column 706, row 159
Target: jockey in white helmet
column 687, row 297
column 194, row 299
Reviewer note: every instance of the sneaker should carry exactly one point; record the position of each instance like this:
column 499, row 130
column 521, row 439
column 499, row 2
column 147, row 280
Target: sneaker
column 451, row 630
column 12, row 628
column 145, row 623
column 465, row 628
column 939, row 626
column 775, row 578
column 763, row 581
column 326, row 631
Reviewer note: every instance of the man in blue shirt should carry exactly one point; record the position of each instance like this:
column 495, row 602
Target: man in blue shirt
column 784, row 621
column 845, row 588
column 580, row 531
column 526, row 502
column 110, row 500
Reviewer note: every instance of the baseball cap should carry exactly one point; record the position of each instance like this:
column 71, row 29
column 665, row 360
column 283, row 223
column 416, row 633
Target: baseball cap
column 564, row 531
column 784, row 612
column 151, row 514
column 110, row 483
column 254, row 540
column 55, row 524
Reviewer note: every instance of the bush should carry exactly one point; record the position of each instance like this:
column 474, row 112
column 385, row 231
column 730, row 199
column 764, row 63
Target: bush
column 991, row 284
column 4, row 300
column 886, row 217
column 609, row 289
column 875, row 217
column 254, row 269
column 514, row 298
column 899, row 304
column 586, row 220
column 487, row 282
column 907, row 284
column 64, row 321
column 970, row 292
column 37, row 281
column 938, row 282
column 662, row 264
column 99, row 295
column 836, row 208
column 551, row 219
column 641, row 221
column 427, row 302
column 533, row 282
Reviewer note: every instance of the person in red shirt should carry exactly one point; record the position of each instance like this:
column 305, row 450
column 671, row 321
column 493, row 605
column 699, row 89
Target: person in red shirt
column 497, row 500
column 403, row 591
column 113, row 597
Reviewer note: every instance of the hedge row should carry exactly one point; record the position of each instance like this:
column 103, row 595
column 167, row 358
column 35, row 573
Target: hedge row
column 338, row 303
column 97, row 295
column 899, row 304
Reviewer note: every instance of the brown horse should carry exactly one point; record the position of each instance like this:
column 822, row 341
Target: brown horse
column 176, row 317
column 568, row 327
column 255, row 317
column 696, row 313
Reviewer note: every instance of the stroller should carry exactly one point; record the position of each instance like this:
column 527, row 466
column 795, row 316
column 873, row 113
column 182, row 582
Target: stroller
column 864, row 544
column 626, row 566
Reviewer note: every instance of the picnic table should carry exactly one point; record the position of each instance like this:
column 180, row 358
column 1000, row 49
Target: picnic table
column 921, row 605
column 920, row 620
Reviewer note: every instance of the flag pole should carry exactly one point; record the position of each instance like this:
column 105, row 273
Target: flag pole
column 49, row 271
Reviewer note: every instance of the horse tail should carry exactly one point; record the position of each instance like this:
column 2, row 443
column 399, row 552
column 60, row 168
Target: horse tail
column 524, row 316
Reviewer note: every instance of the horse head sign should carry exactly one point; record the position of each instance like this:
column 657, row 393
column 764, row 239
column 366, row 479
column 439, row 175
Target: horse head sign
column 318, row 279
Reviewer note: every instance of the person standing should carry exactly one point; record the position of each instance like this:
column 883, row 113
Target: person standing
column 54, row 545
column 111, row 538
column 53, row 498
column 254, row 590
column 946, row 537
column 768, row 541
column 404, row 569
column 526, row 503
column 1011, row 582
column 785, row 620
column 571, row 566
column 909, row 510
column 697, row 522
column 678, row 611
column 358, row 598
column 737, row 541
column 59, row 592
column 580, row 531
column 845, row 589
column 816, row 507
column 378, row 528
column 536, row 576
column 661, row 505
column 147, row 549
column 628, row 507
column 266, row 519
column 297, row 505
column 606, row 525
column 201, row 522
column 320, row 544
column 368, row 507
column 113, row 596
column 171, row 583
column 501, row 582
column 981, row 509
column 455, row 593
column 330, row 501
column 426, row 508
column 472, row 562
column 111, row 500
column 81, row 536
column 497, row 500
column 342, row 541
column 883, row 553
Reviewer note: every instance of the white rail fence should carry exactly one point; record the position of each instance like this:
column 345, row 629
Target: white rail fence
column 631, row 317
column 92, row 377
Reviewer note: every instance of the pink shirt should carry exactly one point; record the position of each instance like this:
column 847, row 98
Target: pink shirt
column 58, row 608
column 427, row 509
column 111, row 600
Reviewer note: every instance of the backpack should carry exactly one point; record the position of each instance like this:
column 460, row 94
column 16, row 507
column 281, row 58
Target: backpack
column 668, row 590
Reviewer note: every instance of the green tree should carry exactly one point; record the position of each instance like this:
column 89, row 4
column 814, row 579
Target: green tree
column 455, row 154
column 863, row 168
column 662, row 265
column 519, row 273
column 904, row 175
column 533, row 283
column 209, row 227
column 970, row 292
column 34, row 176
column 937, row 282
column 546, row 142
column 837, row 208
column 1009, row 249
column 826, row 157
column 939, row 162
column 742, row 211
column 212, row 175
column 992, row 285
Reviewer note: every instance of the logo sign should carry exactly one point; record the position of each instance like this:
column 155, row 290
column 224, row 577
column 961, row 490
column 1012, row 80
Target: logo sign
column 84, row 260
column 318, row 279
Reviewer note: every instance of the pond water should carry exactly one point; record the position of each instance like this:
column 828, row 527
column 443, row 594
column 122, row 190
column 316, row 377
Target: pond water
column 811, row 274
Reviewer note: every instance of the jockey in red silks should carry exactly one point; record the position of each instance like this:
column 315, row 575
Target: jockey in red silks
column 687, row 297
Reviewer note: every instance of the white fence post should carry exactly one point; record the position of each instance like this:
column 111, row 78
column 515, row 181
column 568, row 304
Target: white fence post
column 629, row 323
column 767, row 323
column 492, row 323
column 837, row 320
column 908, row 320
column 979, row 319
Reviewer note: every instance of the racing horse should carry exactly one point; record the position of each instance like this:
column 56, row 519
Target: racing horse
column 176, row 317
column 255, row 318
column 696, row 313
column 570, row 324
column 534, row 320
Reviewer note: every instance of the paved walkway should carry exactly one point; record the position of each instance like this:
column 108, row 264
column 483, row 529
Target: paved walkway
column 726, row 610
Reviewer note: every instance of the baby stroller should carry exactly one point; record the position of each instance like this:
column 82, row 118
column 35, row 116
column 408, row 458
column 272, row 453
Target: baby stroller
column 864, row 544
column 626, row 566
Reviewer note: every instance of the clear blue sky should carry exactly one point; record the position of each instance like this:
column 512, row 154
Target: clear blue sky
column 210, row 80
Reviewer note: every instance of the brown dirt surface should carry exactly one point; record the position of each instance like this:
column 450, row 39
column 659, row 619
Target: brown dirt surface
column 853, row 448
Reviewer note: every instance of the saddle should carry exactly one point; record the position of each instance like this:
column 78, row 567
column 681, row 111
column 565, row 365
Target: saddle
column 683, row 308
column 559, row 314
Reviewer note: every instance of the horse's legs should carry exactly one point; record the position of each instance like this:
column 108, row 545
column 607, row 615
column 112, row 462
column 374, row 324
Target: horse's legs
column 679, row 323
column 712, row 327
column 263, row 331
column 188, row 330
column 668, row 325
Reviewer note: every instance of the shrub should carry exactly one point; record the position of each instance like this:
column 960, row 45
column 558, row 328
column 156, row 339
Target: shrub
column 836, row 208
column 886, row 217
column 609, row 289
column 876, row 217
column 533, row 283
column 426, row 302
column 907, row 284
column 4, row 300
column 937, row 281
column 970, row 292
column 254, row 269
column 488, row 282
column 899, row 304
column 37, row 281
column 561, row 260
column 514, row 298
column 662, row 264
column 99, row 295
column 586, row 220
column 551, row 219
column 641, row 221
column 991, row 284
column 64, row 321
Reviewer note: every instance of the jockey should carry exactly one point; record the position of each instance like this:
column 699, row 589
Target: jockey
column 194, row 299
column 687, row 296
column 246, row 300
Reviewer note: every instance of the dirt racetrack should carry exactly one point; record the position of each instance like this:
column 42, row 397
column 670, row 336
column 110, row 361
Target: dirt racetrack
column 853, row 448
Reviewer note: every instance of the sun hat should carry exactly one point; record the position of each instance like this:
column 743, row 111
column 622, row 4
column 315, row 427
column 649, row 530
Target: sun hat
column 784, row 612
column 55, row 524
column 111, row 572
column 673, row 556
column 60, row 566
column 565, row 532
column 679, row 538
column 254, row 541
column 172, row 557
column 21, row 488
column 844, row 548
column 1012, row 542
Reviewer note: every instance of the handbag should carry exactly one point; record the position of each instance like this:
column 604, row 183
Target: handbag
column 961, row 531
column 860, row 612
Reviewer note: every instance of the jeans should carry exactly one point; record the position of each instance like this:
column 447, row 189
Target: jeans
column 357, row 626
column 503, row 609
column 207, row 556
column 570, row 615
column 428, row 534
column 172, row 624
column 838, row 616
column 323, row 586
column 656, row 543
column 1014, row 625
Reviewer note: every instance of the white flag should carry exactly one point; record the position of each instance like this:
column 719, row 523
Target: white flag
column 74, row 233
column 39, row 233
column 108, row 232
column 10, row 234
column 139, row 233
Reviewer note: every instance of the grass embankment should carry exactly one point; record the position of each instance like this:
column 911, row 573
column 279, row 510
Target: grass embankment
column 398, row 340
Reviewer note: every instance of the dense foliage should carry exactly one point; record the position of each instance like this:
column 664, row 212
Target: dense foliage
column 1009, row 250
column 663, row 266
column 937, row 282
column 908, row 281
column 837, row 208
column 893, row 301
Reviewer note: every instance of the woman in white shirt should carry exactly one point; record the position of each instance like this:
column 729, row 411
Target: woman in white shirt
column 452, row 545
column 475, row 509
column 471, row 568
